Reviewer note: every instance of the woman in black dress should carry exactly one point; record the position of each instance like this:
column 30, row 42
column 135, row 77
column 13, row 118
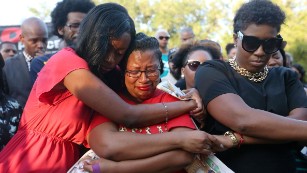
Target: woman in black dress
column 260, row 109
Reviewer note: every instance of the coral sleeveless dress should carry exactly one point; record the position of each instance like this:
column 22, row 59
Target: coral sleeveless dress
column 54, row 122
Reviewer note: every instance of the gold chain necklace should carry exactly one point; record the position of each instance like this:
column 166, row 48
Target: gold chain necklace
column 255, row 77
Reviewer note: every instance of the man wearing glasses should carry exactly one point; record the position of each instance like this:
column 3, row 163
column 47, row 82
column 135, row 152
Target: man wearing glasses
column 163, row 36
column 66, row 19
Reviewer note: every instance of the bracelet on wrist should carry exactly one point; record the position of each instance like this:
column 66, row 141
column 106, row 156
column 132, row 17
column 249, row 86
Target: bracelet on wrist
column 233, row 138
column 166, row 115
column 241, row 139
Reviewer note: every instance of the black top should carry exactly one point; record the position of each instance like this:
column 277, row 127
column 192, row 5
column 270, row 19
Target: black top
column 181, row 84
column 279, row 93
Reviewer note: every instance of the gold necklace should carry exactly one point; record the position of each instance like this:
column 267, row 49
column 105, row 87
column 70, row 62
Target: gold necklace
column 255, row 77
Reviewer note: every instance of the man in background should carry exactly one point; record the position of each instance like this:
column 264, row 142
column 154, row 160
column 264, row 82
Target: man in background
column 163, row 36
column 231, row 50
column 34, row 37
column 8, row 49
column 65, row 18
column 186, row 35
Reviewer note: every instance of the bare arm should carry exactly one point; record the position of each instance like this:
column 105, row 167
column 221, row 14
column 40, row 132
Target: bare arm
column 119, row 145
column 298, row 113
column 94, row 93
column 253, row 122
column 157, row 164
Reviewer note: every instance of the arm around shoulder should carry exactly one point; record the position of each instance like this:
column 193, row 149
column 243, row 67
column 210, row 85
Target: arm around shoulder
column 94, row 93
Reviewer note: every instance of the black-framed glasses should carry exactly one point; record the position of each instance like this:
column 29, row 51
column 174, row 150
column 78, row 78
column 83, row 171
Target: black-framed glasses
column 150, row 73
column 251, row 43
column 192, row 64
column 73, row 26
column 164, row 37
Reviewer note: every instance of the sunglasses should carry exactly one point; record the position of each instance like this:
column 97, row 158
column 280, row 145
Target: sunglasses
column 192, row 64
column 251, row 43
column 162, row 37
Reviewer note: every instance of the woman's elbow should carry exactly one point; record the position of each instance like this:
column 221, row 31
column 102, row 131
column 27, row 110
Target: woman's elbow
column 105, row 151
column 246, row 125
column 103, row 148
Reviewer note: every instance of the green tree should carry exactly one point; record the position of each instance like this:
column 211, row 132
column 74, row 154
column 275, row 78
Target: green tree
column 205, row 17
column 43, row 12
column 210, row 19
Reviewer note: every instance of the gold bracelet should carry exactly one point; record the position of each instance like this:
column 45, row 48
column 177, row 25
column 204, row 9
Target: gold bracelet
column 233, row 138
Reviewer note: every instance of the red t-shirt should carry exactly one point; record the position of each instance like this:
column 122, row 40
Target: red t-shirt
column 158, row 97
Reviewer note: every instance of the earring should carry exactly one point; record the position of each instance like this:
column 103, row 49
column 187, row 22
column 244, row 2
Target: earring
column 182, row 76
column 235, row 45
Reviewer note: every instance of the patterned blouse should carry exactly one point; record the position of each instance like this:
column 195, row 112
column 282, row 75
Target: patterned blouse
column 10, row 113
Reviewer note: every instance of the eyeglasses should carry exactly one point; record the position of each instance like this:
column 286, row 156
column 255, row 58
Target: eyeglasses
column 192, row 64
column 251, row 43
column 162, row 37
column 150, row 73
column 73, row 26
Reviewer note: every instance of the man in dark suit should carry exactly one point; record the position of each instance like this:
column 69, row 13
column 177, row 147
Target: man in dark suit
column 34, row 37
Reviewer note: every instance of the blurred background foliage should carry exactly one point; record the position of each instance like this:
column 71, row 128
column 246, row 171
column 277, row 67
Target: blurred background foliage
column 210, row 19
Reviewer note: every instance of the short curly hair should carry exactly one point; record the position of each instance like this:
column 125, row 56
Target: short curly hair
column 258, row 12
column 60, row 12
column 143, row 43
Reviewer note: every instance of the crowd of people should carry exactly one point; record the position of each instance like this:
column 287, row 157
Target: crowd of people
column 99, row 91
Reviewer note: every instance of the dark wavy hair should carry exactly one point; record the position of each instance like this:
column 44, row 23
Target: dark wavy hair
column 258, row 12
column 142, row 43
column 182, row 54
column 102, row 24
column 60, row 12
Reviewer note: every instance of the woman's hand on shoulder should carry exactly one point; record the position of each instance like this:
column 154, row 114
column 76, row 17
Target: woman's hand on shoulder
column 199, row 112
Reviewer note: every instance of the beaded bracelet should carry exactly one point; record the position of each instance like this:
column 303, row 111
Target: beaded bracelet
column 241, row 139
column 166, row 115
column 166, row 112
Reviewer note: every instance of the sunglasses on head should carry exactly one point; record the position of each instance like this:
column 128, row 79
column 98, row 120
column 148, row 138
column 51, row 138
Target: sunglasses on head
column 251, row 43
column 192, row 64
column 162, row 37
